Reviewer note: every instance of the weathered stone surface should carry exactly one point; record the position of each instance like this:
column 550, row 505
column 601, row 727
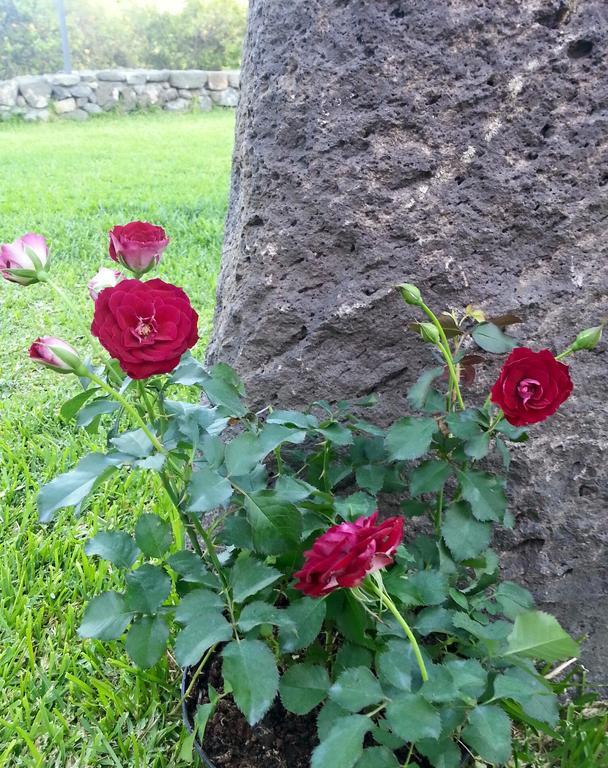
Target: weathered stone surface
column 462, row 147
column 82, row 91
column 157, row 75
column 60, row 92
column 204, row 103
column 65, row 105
column 177, row 105
column 234, row 78
column 36, row 115
column 64, row 79
column 87, row 75
column 78, row 114
column 185, row 94
column 226, row 98
column 217, row 81
column 8, row 93
column 170, row 94
column 108, row 94
column 138, row 77
column 149, row 95
column 188, row 78
column 35, row 90
column 128, row 99
column 92, row 108
column 112, row 75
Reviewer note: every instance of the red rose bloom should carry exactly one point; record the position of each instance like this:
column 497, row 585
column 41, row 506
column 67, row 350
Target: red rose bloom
column 531, row 386
column 146, row 326
column 138, row 245
column 346, row 553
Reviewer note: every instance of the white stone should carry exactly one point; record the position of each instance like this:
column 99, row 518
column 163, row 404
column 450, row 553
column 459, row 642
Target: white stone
column 35, row 90
column 8, row 93
column 227, row 98
column 78, row 114
column 217, row 81
column 65, row 105
column 64, row 78
column 108, row 94
column 112, row 75
column 137, row 77
column 36, row 115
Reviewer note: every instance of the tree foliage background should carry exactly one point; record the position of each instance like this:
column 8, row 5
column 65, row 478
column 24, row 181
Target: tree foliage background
column 202, row 34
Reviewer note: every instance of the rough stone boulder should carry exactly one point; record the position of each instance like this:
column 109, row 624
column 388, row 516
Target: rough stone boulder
column 35, row 90
column 463, row 147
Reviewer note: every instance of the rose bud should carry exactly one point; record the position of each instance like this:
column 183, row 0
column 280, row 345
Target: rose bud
column 138, row 246
column 105, row 278
column 23, row 259
column 346, row 553
column 429, row 333
column 411, row 294
column 146, row 326
column 57, row 354
column 531, row 386
column 587, row 339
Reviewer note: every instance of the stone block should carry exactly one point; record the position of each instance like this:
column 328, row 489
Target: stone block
column 112, row 75
column 177, row 105
column 87, row 75
column 185, row 94
column 150, row 95
column 205, row 104
column 170, row 94
column 188, row 78
column 217, row 81
column 234, row 78
column 108, row 94
column 92, row 108
column 65, row 79
column 79, row 115
column 35, row 90
column 60, row 92
column 65, row 105
column 36, row 115
column 8, row 93
column 227, row 98
column 82, row 90
column 137, row 77
column 128, row 99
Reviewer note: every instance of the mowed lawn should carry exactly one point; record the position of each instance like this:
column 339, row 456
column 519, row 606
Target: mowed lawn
column 63, row 701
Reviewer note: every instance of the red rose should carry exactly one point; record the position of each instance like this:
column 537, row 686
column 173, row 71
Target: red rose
column 531, row 386
column 146, row 326
column 138, row 245
column 346, row 553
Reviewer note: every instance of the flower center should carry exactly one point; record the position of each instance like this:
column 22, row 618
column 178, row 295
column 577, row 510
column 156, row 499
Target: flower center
column 529, row 389
column 146, row 326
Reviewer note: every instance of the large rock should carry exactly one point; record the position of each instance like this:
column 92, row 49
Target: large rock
column 188, row 78
column 65, row 105
column 36, row 91
column 112, row 75
column 65, row 79
column 108, row 94
column 460, row 146
column 8, row 93
column 217, row 81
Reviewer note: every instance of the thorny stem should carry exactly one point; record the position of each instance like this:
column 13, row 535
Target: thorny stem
column 444, row 348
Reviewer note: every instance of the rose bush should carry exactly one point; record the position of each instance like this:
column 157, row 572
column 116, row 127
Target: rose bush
column 295, row 578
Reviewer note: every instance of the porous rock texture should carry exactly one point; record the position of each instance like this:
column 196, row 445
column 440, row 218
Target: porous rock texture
column 460, row 145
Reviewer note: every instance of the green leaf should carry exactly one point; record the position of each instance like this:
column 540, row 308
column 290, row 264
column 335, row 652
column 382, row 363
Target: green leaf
column 276, row 524
column 72, row 487
column 485, row 493
column 106, row 617
column 370, row 477
column 190, row 567
column 336, row 434
column 470, row 678
column 429, row 477
column 434, row 619
column 225, row 394
column 147, row 588
column 328, row 714
column 439, row 688
column 355, row 689
column 243, row 453
column 249, row 576
column 97, row 408
column 531, row 692
column 257, row 613
column 465, row 536
column 208, row 490
column 513, row 599
column 488, row 734
column 146, row 640
column 478, row 447
column 356, row 505
column 442, row 754
column 197, row 603
column 412, row 718
column 153, row 535
column 396, row 665
column 274, row 435
column 410, row 438
column 351, row 655
column 538, row 635
column 489, row 337
column 115, row 546
column 343, row 746
column 71, row 407
column 199, row 635
column 293, row 419
column 303, row 687
column 464, row 424
column 249, row 667
column 428, row 587
column 419, row 392
column 307, row 616
column 378, row 757
column 135, row 443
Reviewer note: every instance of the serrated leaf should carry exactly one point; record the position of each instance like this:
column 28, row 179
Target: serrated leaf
column 208, row 490
column 412, row 718
column 190, row 567
column 419, row 392
column 488, row 733
column 153, row 535
column 336, row 434
column 355, row 689
column 94, row 410
column 147, row 588
column 434, row 619
column 378, row 757
column 197, row 603
column 429, row 477
column 250, row 669
column 293, row 419
column 106, row 617
column 355, row 505
column 328, row 714
column 538, row 635
column 485, row 493
column 442, row 753
column 307, row 616
column 464, row 424
column 469, row 677
column 146, row 640
column 370, row 477
column 135, row 443
column 427, row 587
column 276, row 524
column 248, row 576
column 115, row 546
column 478, row 446
column 71, row 407
column 257, row 613
column 303, row 687
column 513, row 599
column 343, row 746
column 531, row 692
column 489, row 337
column 465, row 536
column 409, row 438
column 199, row 635
column 397, row 666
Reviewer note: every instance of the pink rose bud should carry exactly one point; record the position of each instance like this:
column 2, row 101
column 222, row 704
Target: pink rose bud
column 105, row 278
column 22, row 260
column 57, row 354
column 138, row 246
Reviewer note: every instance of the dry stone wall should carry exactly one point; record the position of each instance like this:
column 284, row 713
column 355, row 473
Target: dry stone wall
column 78, row 95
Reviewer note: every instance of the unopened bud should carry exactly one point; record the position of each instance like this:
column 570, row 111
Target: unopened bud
column 588, row 339
column 57, row 354
column 429, row 332
column 411, row 294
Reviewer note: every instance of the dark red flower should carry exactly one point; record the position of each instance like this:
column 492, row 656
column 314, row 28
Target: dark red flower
column 138, row 245
column 531, row 386
column 146, row 326
column 346, row 553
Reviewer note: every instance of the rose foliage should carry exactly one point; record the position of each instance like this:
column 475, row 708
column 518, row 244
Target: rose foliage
column 346, row 566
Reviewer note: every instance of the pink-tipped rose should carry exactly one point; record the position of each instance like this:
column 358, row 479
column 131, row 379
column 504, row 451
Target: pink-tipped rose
column 346, row 553
column 138, row 246
column 105, row 278
column 21, row 260
column 56, row 354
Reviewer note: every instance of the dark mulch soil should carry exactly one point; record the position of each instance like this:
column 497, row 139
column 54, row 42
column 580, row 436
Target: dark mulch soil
column 280, row 740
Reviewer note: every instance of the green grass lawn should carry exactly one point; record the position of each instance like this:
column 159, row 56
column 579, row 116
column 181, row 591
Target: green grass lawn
column 66, row 702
